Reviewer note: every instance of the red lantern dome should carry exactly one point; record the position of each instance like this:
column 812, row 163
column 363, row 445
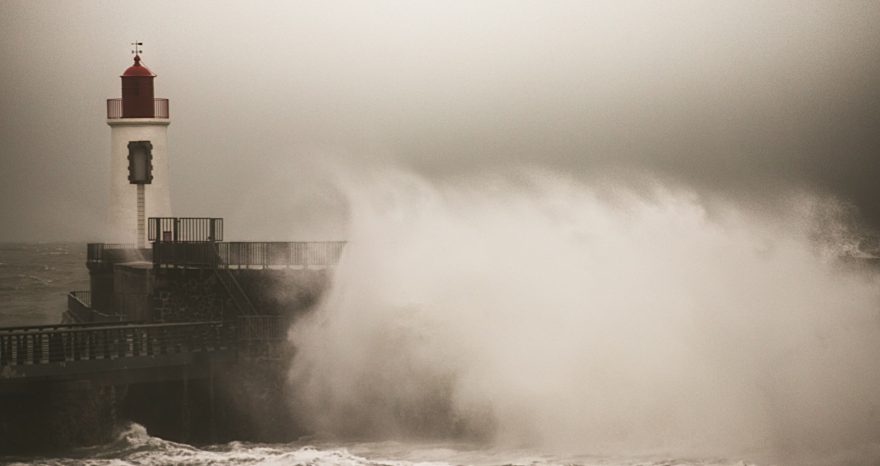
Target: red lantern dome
column 137, row 91
column 137, row 69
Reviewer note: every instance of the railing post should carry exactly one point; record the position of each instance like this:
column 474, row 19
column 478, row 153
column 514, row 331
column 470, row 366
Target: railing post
column 150, row 345
column 56, row 347
column 19, row 360
column 37, row 354
column 69, row 346
column 289, row 254
column 118, row 342
column 80, row 345
column 5, row 350
column 89, row 342
column 105, row 340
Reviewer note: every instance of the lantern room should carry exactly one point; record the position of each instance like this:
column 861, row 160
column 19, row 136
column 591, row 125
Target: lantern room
column 137, row 95
column 137, row 91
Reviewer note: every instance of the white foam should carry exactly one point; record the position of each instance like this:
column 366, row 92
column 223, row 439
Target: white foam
column 558, row 315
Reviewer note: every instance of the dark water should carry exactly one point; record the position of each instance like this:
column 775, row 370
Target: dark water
column 35, row 280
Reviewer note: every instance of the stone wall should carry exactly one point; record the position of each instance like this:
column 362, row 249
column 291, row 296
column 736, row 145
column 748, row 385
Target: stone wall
column 187, row 295
column 57, row 417
column 241, row 399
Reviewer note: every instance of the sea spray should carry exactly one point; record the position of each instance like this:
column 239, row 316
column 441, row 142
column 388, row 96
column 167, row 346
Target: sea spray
column 551, row 313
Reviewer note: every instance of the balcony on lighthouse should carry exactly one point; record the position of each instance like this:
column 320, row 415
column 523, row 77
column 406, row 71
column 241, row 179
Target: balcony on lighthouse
column 137, row 95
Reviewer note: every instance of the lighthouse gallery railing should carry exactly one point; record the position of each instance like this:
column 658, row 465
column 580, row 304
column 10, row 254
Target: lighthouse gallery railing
column 114, row 108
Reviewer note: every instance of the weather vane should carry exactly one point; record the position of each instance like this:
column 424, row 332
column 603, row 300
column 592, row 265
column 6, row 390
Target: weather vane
column 137, row 48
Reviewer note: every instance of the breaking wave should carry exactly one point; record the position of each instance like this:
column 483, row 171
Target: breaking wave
column 551, row 314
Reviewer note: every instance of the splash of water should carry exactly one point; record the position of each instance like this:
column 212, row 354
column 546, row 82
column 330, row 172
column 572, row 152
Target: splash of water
column 134, row 446
column 554, row 314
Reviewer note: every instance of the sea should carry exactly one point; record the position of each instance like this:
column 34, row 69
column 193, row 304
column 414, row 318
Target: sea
column 34, row 281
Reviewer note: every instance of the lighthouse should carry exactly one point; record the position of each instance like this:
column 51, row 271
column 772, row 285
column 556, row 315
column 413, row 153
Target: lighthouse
column 139, row 186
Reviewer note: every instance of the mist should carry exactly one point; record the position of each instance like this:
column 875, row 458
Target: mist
column 540, row 310
column 745, row 100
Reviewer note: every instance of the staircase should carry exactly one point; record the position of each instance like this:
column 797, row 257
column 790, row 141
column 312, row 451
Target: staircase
column 235, row 292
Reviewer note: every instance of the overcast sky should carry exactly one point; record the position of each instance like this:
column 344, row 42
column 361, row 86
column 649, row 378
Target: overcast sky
column 743, row 99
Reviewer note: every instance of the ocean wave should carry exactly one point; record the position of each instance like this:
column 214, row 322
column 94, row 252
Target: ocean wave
column 44, row 281
column 134, row 446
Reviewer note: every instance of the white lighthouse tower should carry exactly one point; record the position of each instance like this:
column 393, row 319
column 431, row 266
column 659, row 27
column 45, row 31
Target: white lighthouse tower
column 139, row 186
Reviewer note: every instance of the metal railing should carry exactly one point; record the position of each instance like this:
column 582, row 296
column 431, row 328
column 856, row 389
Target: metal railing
column 83, row 297
column 261, row 336
column 280, row 254
column 261, row 328
column 185, row 229
column 38, row 328
column 248, row 255
column 185, row 255
column 64, row 344
column 114, row 109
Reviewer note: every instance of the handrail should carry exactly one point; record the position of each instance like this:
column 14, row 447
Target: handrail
column 248, row 255
column 261, row 336
column 28, row 347
column 83, row 296
column 64, row 326
column 110, row 326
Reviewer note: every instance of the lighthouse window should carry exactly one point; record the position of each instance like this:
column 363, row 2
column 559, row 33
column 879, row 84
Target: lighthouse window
column 140, row 162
